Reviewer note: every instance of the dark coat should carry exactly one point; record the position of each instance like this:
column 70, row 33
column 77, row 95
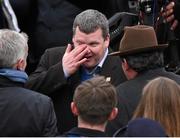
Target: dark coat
column 177, row 16
column 3, row 23
column 84, row 132
column 24, row 112
column 49, row 79
column 129, row 94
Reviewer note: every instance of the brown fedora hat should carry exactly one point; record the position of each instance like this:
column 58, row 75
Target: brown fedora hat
column 137, row 39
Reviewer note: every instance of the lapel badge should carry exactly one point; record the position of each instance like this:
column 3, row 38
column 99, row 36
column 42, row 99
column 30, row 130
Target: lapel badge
column 108, row 79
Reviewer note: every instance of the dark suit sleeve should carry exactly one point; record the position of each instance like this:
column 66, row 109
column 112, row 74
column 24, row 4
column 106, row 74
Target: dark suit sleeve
column 46, row 77
column 122, row 118
column 50, row 127
column 177, row 10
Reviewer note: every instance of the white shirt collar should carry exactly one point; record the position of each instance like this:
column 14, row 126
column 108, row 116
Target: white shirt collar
column 103, row 59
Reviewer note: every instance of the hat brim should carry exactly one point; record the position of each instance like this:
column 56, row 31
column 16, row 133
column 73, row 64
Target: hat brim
column 139, row 50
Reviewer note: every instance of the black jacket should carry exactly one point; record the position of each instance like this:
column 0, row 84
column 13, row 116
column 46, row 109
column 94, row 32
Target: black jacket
column 177, row 16
column 24, row 112
column 49, row 79
column 129, row 94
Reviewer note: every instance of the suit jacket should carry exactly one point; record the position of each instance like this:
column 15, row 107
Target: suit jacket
column 49, row 79
column 129, row 94
column 24, row 112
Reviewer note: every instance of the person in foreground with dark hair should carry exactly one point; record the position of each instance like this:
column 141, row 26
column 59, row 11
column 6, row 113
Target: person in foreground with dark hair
column 22, row 112
column 94, row 103
column 142, row 60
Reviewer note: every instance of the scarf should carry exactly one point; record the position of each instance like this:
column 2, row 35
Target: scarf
column 14, row 75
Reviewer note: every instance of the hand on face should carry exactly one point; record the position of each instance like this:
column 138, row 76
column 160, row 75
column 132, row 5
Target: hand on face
column 168, row 14
column 73, row 58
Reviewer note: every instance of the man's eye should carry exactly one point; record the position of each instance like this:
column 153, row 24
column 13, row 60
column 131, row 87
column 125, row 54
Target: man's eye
column 79, row 43
column 93, row 45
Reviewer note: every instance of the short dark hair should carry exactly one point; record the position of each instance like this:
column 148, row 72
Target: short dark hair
column 144, row 61
column 95, row 99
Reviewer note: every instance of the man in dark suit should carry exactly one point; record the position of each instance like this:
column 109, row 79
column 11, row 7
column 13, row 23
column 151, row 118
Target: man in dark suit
column 60, row 70
column 142, row 60
column 22, row 112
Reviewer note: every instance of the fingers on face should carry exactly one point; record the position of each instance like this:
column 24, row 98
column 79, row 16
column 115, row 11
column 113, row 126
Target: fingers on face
column 80, row 55
column 80, row 59
column 81, row 62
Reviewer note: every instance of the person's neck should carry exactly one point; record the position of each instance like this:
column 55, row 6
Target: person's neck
column 90, row 126
column 131, row 74
column 90, row 69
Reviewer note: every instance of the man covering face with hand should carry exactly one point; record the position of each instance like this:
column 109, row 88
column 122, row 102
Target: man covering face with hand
column 61, row 69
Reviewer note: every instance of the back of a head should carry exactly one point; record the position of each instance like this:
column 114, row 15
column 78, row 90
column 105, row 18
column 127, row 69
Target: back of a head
column 95, row 99
column 142, row 127
column 145, row 61
column 13, row 46
column 161, row 101
column 89, row 21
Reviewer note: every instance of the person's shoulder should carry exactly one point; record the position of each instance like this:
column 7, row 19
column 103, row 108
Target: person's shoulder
column 130, row 88
column 54, row 53
column 124, row 85
column 32, row 95
column 56, row 49
column 173, row 76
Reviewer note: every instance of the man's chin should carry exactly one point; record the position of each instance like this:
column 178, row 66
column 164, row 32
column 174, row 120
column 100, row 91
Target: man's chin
column 88, row 65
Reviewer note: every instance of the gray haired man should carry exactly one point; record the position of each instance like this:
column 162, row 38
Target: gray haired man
column 22, row 112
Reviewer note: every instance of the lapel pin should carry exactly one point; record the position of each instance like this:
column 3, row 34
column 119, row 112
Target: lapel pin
column 108, row 79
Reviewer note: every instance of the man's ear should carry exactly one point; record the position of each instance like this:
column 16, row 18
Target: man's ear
column 113, row 114
column 107, row 41
column 74, row 109
column 125, row 65
column 21, row 64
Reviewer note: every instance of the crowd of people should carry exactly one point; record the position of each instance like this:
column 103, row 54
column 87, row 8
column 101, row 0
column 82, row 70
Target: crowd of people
column 80, row 86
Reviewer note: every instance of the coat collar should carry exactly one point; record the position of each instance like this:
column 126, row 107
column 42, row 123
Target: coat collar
column 85, row 132
column 5, row 82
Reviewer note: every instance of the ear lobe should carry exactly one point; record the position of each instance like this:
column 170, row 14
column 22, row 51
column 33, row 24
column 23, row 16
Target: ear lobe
column 113, row 114
column 125, row 64
column 21, row 64
column 74, row 109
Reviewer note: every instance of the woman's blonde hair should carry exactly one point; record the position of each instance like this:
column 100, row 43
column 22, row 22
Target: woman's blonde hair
column 161, row 102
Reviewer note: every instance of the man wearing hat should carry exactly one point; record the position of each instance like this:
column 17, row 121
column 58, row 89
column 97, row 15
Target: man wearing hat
column 142, row 60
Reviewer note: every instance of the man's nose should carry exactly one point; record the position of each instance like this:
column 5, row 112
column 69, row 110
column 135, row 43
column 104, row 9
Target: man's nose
column 88, row 49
